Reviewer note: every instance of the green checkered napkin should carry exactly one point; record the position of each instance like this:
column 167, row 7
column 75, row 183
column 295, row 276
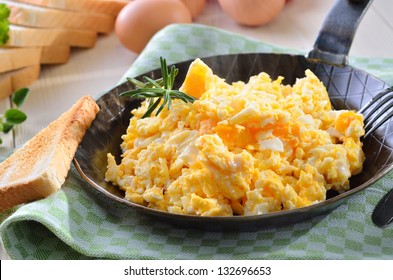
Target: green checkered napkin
column 78, row 223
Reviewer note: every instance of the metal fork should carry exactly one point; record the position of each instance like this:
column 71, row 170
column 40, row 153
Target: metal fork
column 373, row 121
column 375, row 113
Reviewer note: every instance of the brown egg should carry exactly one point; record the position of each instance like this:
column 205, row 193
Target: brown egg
column 195, row 6
column 252, row 12
column 139, row 20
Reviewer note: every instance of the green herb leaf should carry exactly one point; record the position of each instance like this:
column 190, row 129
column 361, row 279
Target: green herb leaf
column 19, row 96
column 14, row 116
column 4, row 11
column 4, row 23
column 151, row 108
column 160, row 89
column 7, row 127
column 137, row 83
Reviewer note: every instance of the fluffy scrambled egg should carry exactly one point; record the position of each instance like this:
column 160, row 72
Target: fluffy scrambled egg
column 239, row 149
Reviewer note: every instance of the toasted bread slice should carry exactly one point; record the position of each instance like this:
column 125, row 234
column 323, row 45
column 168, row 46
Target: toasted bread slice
column 110, row 7
column 39, row 167
column 36, row 37
column 35, row 16
column 16, row 79
column 55, row 54
column 16, row 58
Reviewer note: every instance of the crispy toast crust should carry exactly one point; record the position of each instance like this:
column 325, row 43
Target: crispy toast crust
column 40, row 167
column 44, row 17
column 17, row 58
column 111, row 7
column 13, row 80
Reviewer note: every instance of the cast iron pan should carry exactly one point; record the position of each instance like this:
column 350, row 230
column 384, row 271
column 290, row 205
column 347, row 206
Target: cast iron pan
column 348, row 87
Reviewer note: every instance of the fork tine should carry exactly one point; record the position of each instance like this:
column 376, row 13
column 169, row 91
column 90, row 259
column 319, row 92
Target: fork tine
column 383, row 101
column 374, row 124
column 374, row 99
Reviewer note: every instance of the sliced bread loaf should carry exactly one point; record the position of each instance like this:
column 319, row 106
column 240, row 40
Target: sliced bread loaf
column 13, row 80
column 16, row 58
column 35, row 16
column 36, row 37
column 111, row 7
column 56, row 54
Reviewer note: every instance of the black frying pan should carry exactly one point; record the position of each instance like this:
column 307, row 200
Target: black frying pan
column 348, row 87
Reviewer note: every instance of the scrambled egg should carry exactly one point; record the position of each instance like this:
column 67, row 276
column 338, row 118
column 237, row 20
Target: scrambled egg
column 239, row 149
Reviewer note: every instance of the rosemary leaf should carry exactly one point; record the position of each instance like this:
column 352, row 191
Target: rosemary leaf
column 151, row 109
column 136, row 82
column 157, row 91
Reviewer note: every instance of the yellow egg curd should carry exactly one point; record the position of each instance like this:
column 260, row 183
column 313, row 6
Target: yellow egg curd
column 239, row 149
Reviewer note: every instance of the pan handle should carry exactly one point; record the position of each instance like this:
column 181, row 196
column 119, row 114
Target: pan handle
column 338, row 30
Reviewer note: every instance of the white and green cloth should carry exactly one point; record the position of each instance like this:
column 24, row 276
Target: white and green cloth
column 79, row 223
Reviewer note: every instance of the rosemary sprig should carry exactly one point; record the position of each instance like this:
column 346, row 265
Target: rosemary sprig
column 158, row 90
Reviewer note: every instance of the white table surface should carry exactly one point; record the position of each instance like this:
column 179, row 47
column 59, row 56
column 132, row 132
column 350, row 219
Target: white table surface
column 93, row 71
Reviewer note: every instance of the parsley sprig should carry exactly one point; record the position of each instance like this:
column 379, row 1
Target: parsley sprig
column 14, row 116
column 4, row 23
column 158, row 90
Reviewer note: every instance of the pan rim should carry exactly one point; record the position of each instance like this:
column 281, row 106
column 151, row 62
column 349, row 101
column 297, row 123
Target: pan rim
column 323, row 206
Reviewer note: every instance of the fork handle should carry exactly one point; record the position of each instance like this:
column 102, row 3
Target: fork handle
column 338, row 30
column 383, row 212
